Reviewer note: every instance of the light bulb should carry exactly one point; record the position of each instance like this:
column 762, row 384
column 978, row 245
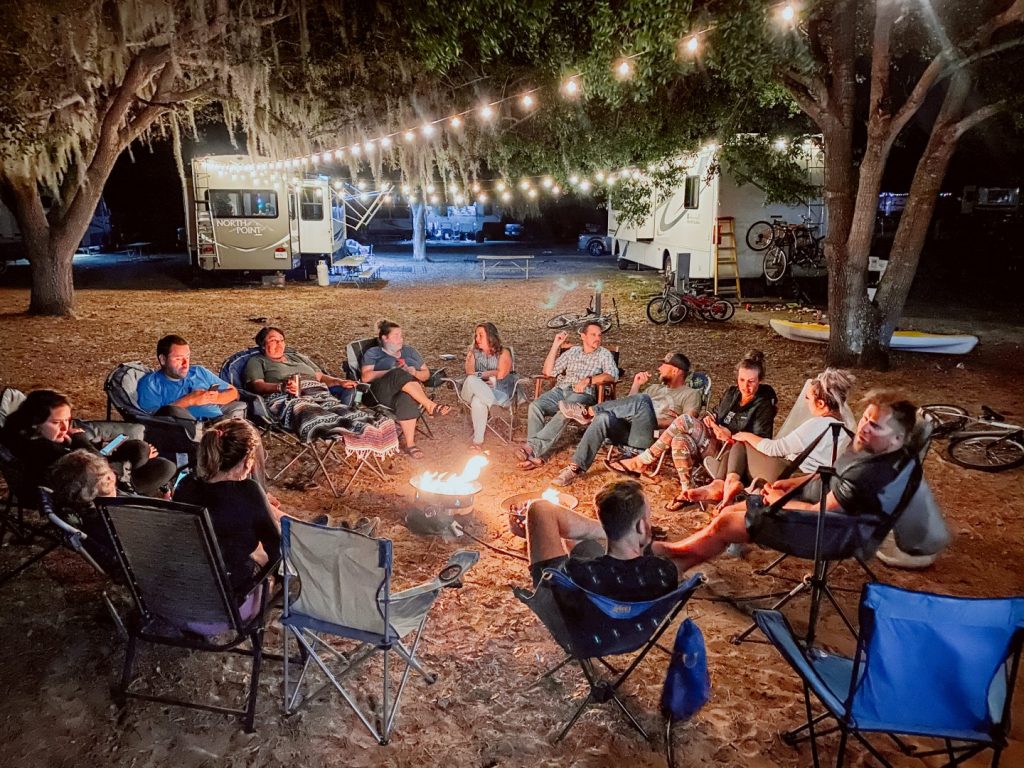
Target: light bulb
column 428, row 129
column 506, row 196
column 482, row 197
column 546, row 182
column 692, row 44
column 788, row 12
column 409, row 136
column 385, row 142
column 527, row 101
column 500, row 185
column 357, row 150
column 524, row 184
column 585, row 185
column 456, row 121
column 571, row 87
column 556, row 190
column 623, row 69
column 531, row 193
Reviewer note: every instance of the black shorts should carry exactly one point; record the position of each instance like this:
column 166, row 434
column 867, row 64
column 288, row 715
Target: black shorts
column 537, row 569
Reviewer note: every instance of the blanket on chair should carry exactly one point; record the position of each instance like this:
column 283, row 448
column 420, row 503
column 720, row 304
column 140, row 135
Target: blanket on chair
column 317, row 414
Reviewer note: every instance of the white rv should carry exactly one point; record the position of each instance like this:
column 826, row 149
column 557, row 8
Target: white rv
column 681, row 232
column 245, row 217
column 97, row 236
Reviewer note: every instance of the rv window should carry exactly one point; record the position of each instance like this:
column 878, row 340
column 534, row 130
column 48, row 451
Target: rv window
column 242, row 203
column 311, row 204
column 691, row 193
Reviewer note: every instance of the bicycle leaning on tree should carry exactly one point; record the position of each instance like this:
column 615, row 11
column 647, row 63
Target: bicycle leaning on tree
column 785, row 244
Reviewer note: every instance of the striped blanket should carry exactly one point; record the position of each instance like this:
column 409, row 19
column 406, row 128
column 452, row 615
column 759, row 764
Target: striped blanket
column 318, row 415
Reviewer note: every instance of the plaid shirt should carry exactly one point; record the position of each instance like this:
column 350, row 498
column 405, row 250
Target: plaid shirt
column 574, row 365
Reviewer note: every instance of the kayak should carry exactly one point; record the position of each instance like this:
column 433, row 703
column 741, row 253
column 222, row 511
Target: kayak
column 907, row 341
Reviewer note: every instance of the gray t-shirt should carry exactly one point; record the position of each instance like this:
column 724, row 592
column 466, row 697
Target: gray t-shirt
column 262, row 368
column 679, row 399
column 382, row 361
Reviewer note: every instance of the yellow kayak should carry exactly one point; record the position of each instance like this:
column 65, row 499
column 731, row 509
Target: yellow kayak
column 907, row 341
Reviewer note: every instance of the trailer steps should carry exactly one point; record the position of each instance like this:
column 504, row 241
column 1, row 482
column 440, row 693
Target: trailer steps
column 727, row 268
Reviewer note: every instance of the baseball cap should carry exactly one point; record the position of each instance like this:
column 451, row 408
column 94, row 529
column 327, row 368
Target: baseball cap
column 679, row 360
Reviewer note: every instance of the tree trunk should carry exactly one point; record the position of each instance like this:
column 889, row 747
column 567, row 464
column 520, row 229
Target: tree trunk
column 53, row 290
column 419, row 232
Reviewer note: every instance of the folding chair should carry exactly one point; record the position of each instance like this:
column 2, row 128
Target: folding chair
column 604, row 391
column 698, row 380
column 22, row 497
column 319, row 449
column 174, row 439
column 354, row 352
column 509, row 407
column 345, row 591
column 926, row 665
column 828, row 538
column 598, row 627
column 182, row 593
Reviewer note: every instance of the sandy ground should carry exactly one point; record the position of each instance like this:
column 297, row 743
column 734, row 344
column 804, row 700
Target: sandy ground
column 61, row 654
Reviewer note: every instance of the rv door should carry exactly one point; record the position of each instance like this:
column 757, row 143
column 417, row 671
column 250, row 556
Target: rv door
column 293, row 221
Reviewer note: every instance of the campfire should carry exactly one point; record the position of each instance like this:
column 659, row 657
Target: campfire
column 447, row 484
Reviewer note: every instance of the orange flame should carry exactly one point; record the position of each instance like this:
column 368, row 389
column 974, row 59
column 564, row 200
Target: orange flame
column 454, row 485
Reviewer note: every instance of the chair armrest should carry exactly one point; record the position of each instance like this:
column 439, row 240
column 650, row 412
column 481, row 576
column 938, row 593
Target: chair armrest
column 256, row 407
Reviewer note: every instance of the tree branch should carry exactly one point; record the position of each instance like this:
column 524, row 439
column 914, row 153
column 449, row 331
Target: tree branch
column 931, row 75
column 977, row 116
column 799, row 87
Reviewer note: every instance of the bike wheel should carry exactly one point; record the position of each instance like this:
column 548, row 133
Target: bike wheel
column 658, row 309
column 720, row 310
column 946, row 418
column 759, row 236
column 564, row 321
column 774, row 265
column 988, row 453
column 678, row 313
column 605, row 321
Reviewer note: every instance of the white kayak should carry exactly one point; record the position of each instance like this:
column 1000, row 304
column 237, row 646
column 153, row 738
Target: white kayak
column 907, row 341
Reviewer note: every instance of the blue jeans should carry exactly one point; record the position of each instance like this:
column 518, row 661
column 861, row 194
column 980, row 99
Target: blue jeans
column 630, row 421
column 541, row 436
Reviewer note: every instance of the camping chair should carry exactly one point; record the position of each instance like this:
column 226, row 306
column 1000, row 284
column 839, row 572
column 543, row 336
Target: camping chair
column 509, row 407
column 174, row 439
column 182, row 592
column 605, row 391
column 320, row 449
column 354, row 352
column 698, row 380
column 926, row 665
column 828, row 538
column 71, row 538
column 599, row 627
column 345, row 591
column 21, row 497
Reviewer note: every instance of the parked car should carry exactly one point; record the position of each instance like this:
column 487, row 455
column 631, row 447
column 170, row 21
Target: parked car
column 513, row 231
column 595, row 243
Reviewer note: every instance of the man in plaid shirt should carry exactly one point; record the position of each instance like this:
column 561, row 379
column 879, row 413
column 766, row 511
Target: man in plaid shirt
column 580, row 370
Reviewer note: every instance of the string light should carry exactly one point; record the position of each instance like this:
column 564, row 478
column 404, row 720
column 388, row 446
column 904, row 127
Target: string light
column 428, row 129
column 456, row 121
column 386, row 142
column 409, row 137
column 571, row 87
column 624, row 69
column 788, row 13
column 486, row 112
column 527, row 101
column 692, row 44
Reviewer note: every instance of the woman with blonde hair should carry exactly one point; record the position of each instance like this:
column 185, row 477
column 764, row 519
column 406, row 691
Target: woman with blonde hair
column 753, row 456
column 242, row 516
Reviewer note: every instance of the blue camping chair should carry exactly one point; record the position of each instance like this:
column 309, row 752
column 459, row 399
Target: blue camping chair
column 596, row 627
column 926, row 665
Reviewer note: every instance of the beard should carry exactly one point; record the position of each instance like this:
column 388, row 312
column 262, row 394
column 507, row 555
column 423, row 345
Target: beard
column 666, row 380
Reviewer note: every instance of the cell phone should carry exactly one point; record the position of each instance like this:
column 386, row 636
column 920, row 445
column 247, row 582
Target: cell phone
column 214, row 388
column 363, row 387
column 110, row 447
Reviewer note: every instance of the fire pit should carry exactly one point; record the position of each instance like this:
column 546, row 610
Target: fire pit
column 515, row 507
column 441, row 497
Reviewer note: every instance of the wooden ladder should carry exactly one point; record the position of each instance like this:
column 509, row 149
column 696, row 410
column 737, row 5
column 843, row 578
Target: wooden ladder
column 727, row 268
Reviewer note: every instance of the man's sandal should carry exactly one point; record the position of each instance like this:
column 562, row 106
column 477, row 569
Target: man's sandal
column 414, row 452
column 682, row 501
column 616, row 465
column 440, row 409
column 533, row 462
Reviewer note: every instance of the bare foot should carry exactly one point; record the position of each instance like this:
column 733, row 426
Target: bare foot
column 732, row 485
column 634, row 464
column 710, row 492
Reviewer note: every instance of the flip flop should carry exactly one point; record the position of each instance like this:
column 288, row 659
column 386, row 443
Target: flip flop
column 682, row 501
column 616, row 465
column 533, row 462
column 440, row 410
column 414, row 452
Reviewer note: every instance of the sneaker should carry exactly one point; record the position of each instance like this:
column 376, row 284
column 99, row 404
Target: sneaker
column 320, row 520
column 575, row 412
column 567, row 476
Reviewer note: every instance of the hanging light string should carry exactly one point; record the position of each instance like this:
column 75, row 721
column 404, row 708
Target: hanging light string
column 571, row 87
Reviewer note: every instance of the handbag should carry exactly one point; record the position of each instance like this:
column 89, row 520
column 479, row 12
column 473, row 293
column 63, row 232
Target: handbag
column 687, row 685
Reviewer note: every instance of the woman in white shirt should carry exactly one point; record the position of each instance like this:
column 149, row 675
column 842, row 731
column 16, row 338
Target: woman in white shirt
column 753, row 456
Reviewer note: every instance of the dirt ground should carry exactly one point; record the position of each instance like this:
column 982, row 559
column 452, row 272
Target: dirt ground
column 61, row 653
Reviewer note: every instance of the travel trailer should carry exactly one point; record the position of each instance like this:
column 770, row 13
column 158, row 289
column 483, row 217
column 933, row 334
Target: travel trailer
column 96, row 237
column 684, row 228
column 244, row 217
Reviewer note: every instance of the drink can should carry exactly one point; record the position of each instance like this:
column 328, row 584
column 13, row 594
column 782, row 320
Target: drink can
column 295, row 380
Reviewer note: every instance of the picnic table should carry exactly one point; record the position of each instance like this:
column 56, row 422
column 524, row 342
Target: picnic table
column 357, row 269
column 135, row 249
column 506, row 261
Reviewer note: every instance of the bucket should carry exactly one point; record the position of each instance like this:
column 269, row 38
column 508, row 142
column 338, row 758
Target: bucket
column 323, row 276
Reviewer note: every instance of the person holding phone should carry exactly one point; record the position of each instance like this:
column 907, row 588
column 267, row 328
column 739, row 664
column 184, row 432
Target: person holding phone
column 41, row 431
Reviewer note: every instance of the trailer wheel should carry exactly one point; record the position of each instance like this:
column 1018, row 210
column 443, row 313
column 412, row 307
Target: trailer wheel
column 622, row 264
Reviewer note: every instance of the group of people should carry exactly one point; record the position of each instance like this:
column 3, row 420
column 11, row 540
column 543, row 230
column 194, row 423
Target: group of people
column 733, row 440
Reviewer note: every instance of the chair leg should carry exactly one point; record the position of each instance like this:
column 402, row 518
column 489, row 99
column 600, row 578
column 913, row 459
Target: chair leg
column 126, row 672
column 810, row 726
column 629, row 716
column 295, row 458
column 4, row 578
column 771, row 566
column 256, row 640
column 574, row 718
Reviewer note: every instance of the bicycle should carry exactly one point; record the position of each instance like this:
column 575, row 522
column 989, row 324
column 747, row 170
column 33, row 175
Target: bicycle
column 671, row 307
column 762, row 234
column 577, row 319
column 986, row 443
column 792, row 244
